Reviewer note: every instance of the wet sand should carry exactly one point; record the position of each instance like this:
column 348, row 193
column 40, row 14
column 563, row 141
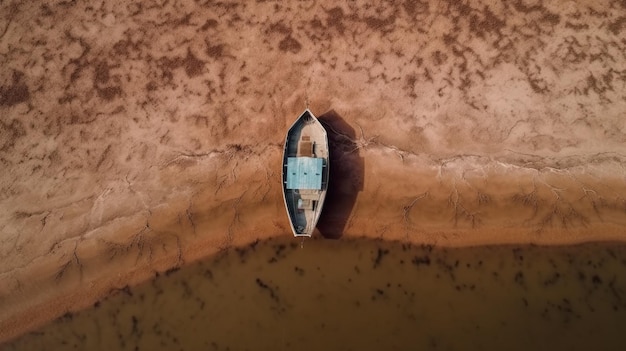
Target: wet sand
column 138, row 138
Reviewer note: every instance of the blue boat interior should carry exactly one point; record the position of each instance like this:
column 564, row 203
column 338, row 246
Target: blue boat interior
column 304, row 173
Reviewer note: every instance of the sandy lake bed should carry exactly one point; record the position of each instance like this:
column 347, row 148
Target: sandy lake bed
column 135, row 138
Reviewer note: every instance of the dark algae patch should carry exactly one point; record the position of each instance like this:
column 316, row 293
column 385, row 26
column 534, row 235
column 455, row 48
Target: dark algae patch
column 16, row 92
column 364, row 294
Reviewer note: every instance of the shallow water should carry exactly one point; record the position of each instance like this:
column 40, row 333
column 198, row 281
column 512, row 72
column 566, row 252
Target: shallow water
column 363, row 295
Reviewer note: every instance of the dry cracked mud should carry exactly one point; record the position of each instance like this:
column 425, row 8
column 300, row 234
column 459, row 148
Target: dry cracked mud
column 137, row 137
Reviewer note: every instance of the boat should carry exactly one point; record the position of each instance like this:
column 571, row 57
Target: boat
column 305, row 173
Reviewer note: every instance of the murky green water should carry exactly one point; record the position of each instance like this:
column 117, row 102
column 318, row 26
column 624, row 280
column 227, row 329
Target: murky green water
column 364, row 295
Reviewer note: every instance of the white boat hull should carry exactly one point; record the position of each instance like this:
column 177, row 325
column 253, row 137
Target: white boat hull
column 305, row 173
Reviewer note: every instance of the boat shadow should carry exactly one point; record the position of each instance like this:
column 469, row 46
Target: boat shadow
column 347, row 172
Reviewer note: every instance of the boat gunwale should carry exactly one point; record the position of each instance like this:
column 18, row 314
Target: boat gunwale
column 326, row 171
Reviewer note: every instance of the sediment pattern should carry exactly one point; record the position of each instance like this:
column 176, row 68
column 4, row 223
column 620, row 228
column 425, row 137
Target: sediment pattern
column 366, row 295
column 142, row 136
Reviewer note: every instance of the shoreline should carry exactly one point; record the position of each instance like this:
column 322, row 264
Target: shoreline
column 43, row 313
column 450, row 209
column 134, row 139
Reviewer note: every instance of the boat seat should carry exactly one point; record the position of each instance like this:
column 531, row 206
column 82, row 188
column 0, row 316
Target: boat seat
column 309, row 193
column 305, row 204
column 305, row 148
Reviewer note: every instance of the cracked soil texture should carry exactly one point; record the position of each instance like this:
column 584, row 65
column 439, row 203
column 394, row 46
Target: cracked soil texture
column 135, row 137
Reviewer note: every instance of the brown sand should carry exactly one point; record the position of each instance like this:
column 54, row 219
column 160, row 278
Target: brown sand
column 135, row 138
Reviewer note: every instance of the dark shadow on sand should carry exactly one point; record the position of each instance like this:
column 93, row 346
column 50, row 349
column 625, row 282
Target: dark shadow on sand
column 347, row 172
